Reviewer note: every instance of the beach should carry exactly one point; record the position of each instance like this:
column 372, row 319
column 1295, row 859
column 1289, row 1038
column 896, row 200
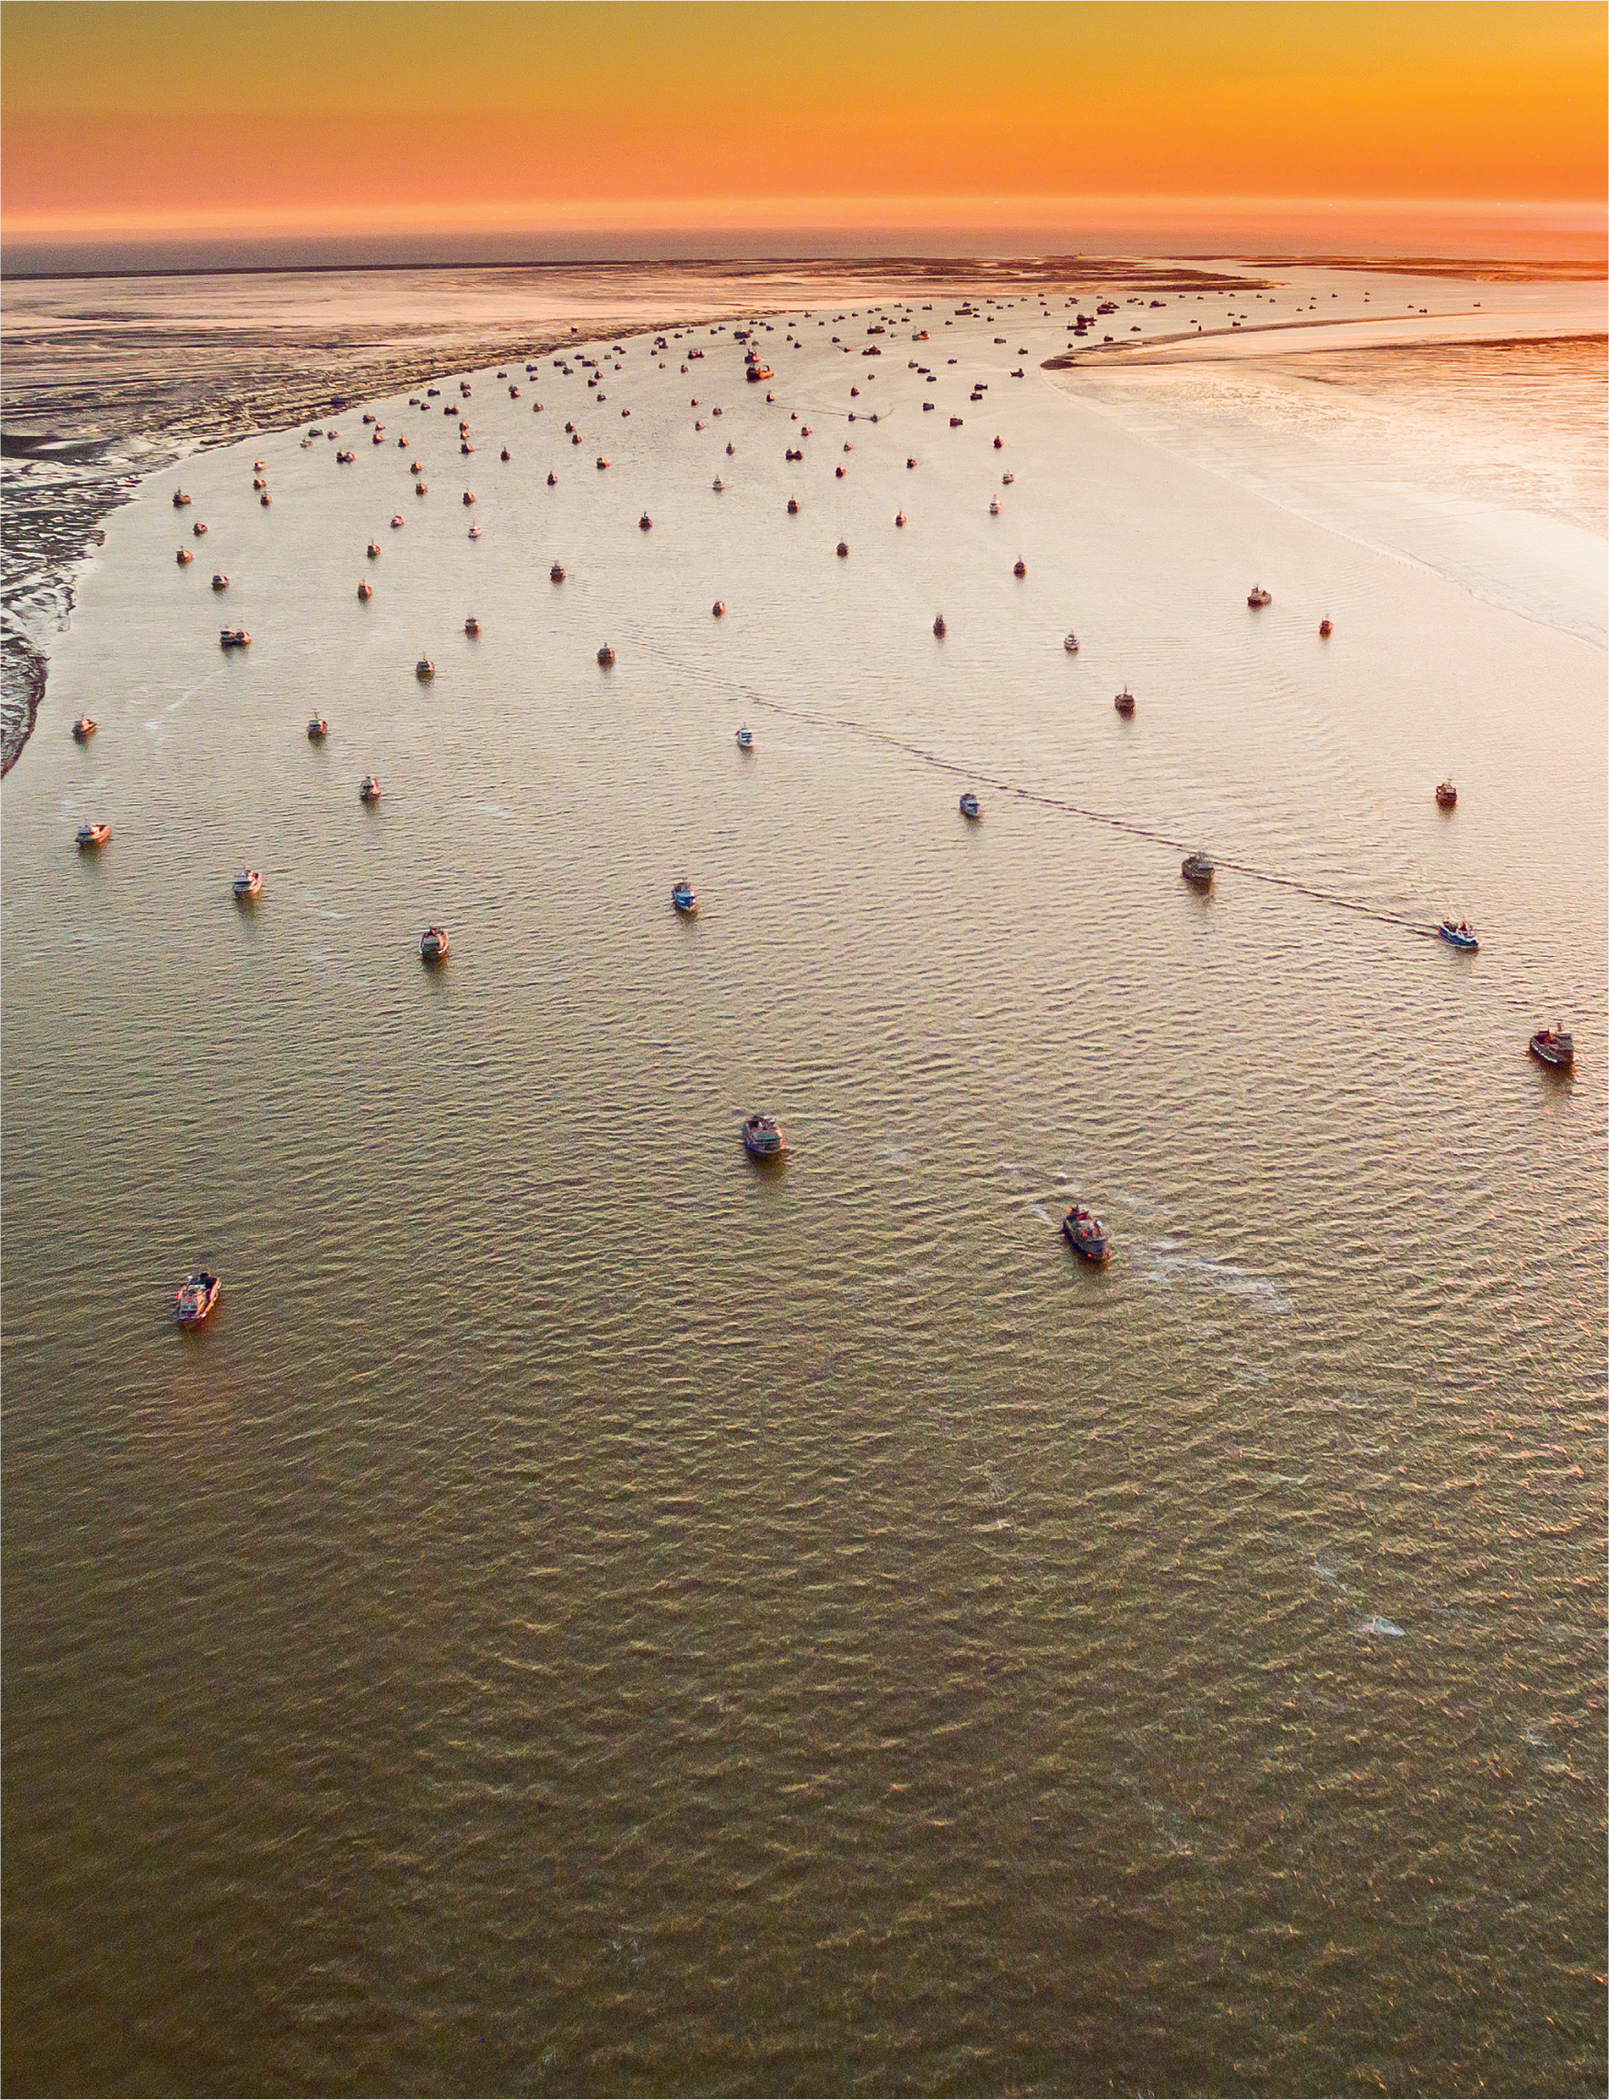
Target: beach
column 589, row 1614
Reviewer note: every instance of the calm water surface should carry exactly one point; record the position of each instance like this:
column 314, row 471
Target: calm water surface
column 588, row 1616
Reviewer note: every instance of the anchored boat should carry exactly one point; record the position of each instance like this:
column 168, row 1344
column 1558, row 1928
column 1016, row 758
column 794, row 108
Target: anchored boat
column 1086, row 1235
column 1555, row 1047
column 196, row 1297
column 763, row 1138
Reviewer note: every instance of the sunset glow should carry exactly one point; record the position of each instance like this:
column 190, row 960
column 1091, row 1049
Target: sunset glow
column 151, row 119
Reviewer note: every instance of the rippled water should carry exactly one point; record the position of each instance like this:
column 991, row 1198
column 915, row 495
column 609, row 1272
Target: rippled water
column 591, row 1616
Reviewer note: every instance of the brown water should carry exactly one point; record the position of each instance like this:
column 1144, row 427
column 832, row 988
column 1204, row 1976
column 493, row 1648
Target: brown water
column 591, row 1616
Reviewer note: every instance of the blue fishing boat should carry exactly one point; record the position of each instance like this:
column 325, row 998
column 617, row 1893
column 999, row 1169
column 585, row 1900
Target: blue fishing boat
column 1459, row 934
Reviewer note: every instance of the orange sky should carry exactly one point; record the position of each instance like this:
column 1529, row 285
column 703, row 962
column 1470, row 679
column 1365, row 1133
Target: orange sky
column 280, row 115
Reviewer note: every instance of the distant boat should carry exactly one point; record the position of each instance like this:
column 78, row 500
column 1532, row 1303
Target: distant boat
column 1326, row 628
column 606, row 656
column 745, row 740
column 365, row 591
column 1257, row 596
column 1085, row 1233
column 1198, row 868
column 646, row 523
column 1124, row 703
column 684, row 898
column 474, row 532
column 1070, row 642
column 369, row 789
column 1446, row 796
column 196, row 1297
column 1554, row 1046
column 84, row 728
column 843, row 549
column 89, row 836
column 1019, row 567
column 184, row 557
column 763, row 1138
column 220, row 582
column 1007, row 478
column 374, row 547
column 994, row 506
column 556, row 573
column 718, row 609
column 1458, row 934
column 793, row 506
column 233, row 638
column 941, row 627
column 180, row 499
column 971, row 808
column 317, row 730
column 247, row 884
column 899, row 517
column 424, row 668
column 433, row 946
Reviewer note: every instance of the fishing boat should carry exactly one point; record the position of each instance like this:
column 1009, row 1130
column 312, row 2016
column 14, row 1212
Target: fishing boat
column 184, row 557
column 1458, row 934
column 941, row 627
column 971, row 808
column 843, row 550
column 248, row 884
column 718, row 609
column 1124, row 702
column 1257, row 596
column 1069, row 642
column 1198, row 868
column 899, row 517
column 1554, row 1047
column 84, row 728
column 374, row 549
column 369, row 789
column 433, row 945
column 317, row 730
column 220, row 582
column 1019, row 568
column 1086, row 1235
column 763, row 1138
column 233, row 638
column 994, row 506
column 196, row 1297
column 793, row 506
column 556, row 573
column 606, row 656
column 1326, row 628
column 745, row 740
column 646, row 523
column 199, row 530
column 683, row 896
column 1446, row 796
column 180, row 499
column 396, row 522
column 472, row 626
column 1007, row 478
column 474, row 532
column 89, row 836
column 365, row 592
column 424, row 669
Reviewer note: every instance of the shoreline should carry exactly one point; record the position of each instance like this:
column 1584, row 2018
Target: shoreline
column 1409, row 333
